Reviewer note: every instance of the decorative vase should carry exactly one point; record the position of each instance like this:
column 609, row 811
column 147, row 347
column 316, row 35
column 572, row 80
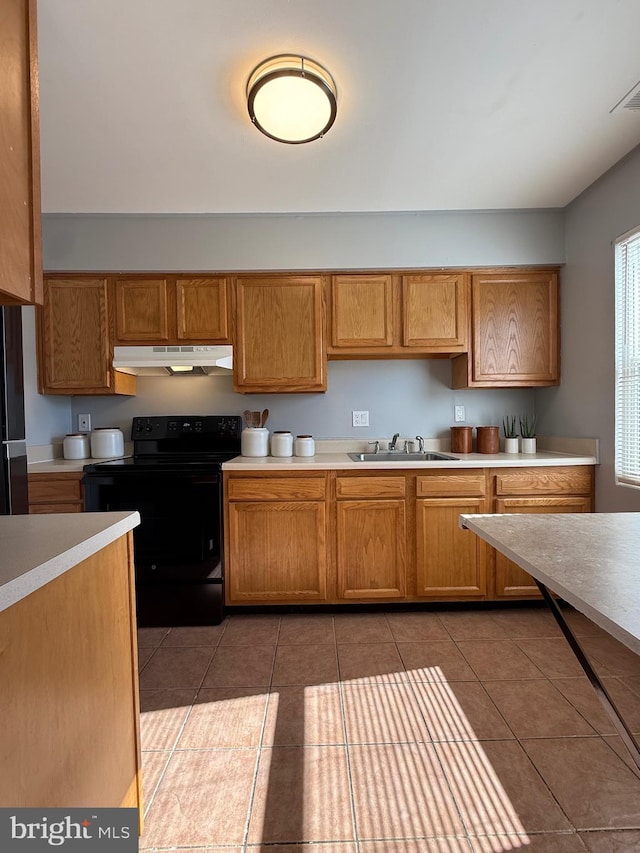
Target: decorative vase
column 528, row 445
column 511, row 444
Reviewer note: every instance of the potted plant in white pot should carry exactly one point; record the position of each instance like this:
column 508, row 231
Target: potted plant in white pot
column 510, row 434
column 528, row 433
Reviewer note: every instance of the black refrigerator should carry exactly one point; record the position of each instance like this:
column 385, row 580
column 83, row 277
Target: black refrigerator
column 14, row 495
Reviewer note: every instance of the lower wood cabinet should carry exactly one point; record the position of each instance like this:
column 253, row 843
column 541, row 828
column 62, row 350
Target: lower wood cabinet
column 371, row 535
column 449, row 563
column 276, row 540
column 536, row 490
column 56, row 492
column 346, row 537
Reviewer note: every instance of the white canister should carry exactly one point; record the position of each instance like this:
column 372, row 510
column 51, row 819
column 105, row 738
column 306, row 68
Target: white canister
column 254, row 441
column 282, row 443
column 305, row 445
column 75, row 446
column 107, row 442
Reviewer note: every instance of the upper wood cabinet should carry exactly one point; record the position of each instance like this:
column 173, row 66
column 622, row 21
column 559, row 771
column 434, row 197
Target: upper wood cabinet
column 74, row 349
column 20, row 228
column 142, row 313
column 202, row 309
column 171, row 310
column 382, row 316
column 434, row 312
column 279, row 341
column 361, row 311
column 514, row 331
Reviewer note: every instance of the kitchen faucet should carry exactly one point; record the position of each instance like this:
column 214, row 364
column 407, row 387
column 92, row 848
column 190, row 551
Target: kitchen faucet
column 420, row 441
column 392, row 443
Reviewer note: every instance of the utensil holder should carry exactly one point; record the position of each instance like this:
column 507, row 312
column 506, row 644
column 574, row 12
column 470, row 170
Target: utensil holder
column 254, row 441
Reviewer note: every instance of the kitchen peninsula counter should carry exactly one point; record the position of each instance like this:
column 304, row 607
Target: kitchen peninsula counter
column 68, row 664
column 36, row 549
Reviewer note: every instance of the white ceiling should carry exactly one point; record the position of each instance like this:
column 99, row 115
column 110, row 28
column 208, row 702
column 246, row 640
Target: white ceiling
column 442, row 104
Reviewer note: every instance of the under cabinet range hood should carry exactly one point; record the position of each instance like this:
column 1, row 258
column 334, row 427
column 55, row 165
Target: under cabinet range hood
column 174, row 360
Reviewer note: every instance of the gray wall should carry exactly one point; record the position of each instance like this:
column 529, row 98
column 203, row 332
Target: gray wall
column 407, row 396
column 410, row 397
column 583, row 405
column 317, row 241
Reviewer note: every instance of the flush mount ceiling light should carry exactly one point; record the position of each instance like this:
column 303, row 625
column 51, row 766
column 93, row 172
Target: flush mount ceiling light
column 291, row 98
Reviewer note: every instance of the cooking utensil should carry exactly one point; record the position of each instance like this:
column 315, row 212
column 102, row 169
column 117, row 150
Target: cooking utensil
column 264, row 417
column 247, row 417
column 255, row 419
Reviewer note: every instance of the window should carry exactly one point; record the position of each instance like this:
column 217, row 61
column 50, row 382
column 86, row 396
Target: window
column 627, row 441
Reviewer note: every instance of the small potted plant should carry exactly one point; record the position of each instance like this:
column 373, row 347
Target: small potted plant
column 528, row 433
column 510, row 434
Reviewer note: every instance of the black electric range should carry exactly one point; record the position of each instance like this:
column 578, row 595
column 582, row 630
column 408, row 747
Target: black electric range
column 174, row 480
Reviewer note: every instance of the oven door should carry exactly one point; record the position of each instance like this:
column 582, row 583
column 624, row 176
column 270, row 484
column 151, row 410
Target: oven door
column 178, row 544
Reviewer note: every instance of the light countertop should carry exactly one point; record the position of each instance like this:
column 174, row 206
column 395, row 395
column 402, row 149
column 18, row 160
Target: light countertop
column 331, row 461
column 589, row 559
column 38, row 548
column 333, row 454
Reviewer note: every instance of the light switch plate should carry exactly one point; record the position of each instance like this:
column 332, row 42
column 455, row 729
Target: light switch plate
column 360, row 419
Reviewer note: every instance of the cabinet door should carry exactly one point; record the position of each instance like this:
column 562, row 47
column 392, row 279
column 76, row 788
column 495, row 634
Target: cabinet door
column 20, row 229
column 361, row 311
column 74, row 352
column 141, row 310
column 279, row 336
column 511, row 580
column 515, row 329
column 371, row 550
column 202, row 311
column 434, row 312
column 276, row 552
column 450, row 562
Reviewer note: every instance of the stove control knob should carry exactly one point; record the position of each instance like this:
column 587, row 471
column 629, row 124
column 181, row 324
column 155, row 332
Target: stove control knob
column 148, row 428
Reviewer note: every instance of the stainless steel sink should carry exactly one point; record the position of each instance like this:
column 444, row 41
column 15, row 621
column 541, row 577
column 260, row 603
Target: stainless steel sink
column 401, row 457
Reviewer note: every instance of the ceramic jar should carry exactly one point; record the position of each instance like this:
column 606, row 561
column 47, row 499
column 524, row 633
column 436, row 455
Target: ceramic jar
column 107, row 442
column 254, row 441
column 511, row 444
column 282, row 443
column 529, row 445
column 76, row 446
column 305, row 445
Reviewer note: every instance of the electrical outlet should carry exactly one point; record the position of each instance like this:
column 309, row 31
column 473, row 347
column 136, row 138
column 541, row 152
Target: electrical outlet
column 360, row 419
column 84, row 423
column 458, row 413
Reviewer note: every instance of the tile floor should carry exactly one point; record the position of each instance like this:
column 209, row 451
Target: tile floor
column 390, row 732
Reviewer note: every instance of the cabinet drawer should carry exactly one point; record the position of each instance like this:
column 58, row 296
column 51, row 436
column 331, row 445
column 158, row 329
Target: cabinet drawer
column 537, row 481
column 55, row 491
column 370, row 487
column 276, row 488
column 442, row 485
column 43, row 509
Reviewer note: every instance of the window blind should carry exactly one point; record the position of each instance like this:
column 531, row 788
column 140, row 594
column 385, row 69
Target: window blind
column 627, row 391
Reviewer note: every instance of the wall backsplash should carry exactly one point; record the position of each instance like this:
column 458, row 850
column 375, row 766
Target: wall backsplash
column 406, row 396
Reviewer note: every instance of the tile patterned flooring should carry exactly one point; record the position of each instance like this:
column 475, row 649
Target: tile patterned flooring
column 466, row 730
